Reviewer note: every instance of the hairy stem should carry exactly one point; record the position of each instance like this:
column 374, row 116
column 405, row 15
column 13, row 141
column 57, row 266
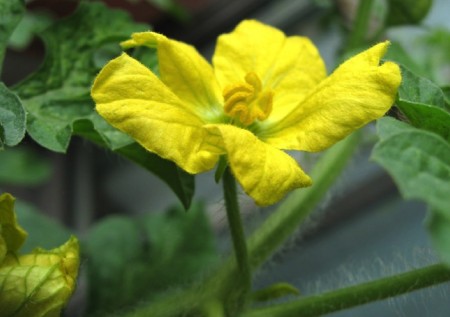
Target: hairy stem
column 357, row 295
column 237, row 232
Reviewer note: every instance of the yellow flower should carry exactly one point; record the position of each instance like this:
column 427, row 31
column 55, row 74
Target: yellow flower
column 37, row 284
column 264, row 93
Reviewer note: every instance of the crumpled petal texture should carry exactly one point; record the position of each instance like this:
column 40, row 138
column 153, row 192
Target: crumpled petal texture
column 257, row 165
column 180, row 116
column 38, row 284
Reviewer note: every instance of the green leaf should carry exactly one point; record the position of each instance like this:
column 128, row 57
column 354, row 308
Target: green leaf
column 438, row 224
column 387, row 127
column 416, row 89
column 179, row 240
column 419, row 162
column 21, row 166
column 446, row 91
column 428, row 117
column 30, row 25
column 130, row 260
column 11, row 12
column 424, row 104
column 57, row 97
column 407, row 11
column 12, row 118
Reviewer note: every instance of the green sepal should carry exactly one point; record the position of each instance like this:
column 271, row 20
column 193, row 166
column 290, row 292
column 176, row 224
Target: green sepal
column 274, row 291
column 221, row 167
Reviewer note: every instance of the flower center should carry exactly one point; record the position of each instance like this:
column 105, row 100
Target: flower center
column 248, row 101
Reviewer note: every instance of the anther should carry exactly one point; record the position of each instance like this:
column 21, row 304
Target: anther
column 248, row 101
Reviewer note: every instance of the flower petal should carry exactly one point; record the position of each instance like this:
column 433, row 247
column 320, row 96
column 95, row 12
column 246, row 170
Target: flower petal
column 251, row 47
column 297, row 70
column 12, row 235
column 185, row 72
column 265, row 173
column 131, row 98
column 359, row 91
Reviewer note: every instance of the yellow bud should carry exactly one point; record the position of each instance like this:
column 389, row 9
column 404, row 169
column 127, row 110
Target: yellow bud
column 37, row 284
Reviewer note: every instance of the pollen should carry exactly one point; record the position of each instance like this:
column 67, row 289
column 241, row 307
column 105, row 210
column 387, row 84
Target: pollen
column 248, row 101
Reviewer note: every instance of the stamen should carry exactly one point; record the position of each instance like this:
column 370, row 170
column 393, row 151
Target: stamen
column 254, row 81
column 248, row 101
column 237, row 88
column 233, row 100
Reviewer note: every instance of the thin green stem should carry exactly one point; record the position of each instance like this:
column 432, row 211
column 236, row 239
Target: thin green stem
column 361, row 24
column 237, row 231
column 281, row 223
column 357, row 295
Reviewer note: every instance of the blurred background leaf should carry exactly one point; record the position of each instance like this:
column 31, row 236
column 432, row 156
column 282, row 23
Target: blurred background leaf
column 172, row 7
column 438, row 224
column 131, row 260
column 11, row 12
column 424, row 51
column 32, row 24
column 407, row 11
column 21, row 166
column 12, row 113
column 43, row 231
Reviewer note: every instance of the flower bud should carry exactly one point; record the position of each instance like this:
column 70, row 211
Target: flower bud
column 37, row 284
